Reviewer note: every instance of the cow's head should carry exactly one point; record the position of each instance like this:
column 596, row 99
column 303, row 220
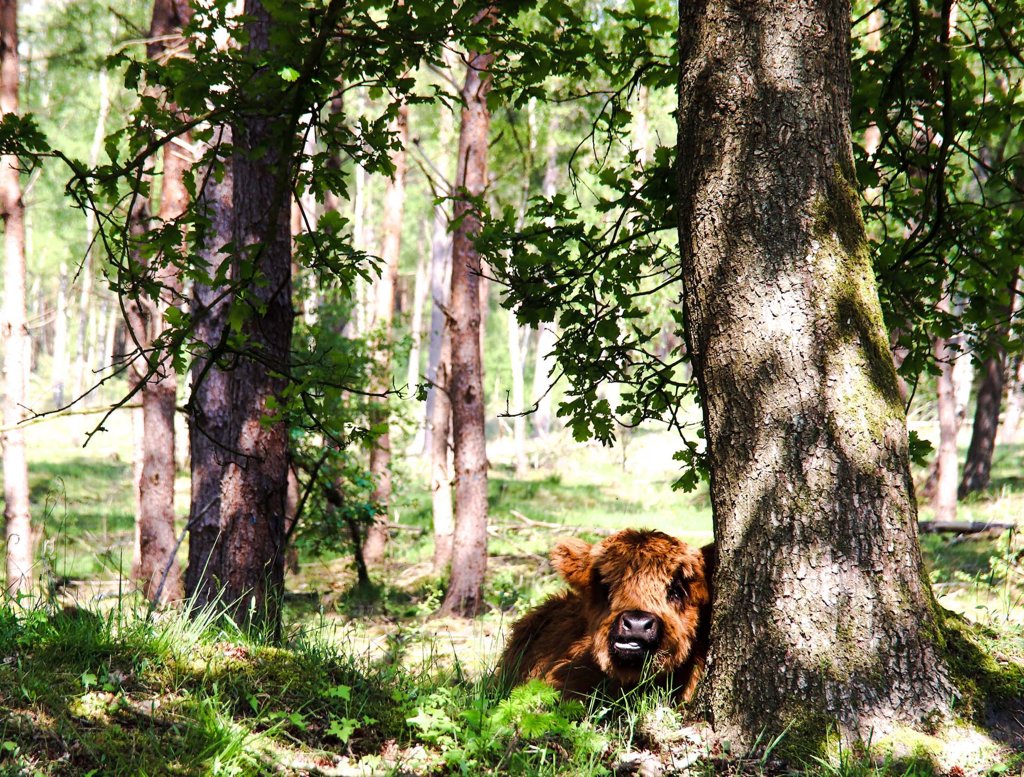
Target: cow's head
column 642, row 594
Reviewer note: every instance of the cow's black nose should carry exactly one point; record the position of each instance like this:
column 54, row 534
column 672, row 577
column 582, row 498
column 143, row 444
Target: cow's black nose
column 638, row 625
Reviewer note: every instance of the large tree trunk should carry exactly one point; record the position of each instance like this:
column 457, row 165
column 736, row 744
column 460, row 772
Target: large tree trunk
column 380, row 453
column 469, row 547
column 210, row 402
column 158, row 572
column 822, row 611
column 17, row 519
column 978, row 466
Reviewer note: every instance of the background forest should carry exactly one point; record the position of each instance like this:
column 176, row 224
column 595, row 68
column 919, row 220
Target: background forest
column 335, row 315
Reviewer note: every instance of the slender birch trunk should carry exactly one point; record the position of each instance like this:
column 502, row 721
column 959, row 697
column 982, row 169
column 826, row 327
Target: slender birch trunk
column 85, row 302
column 419, row 299
column 440, row 462
column 440, row 280
column 544, row 356
column 59, row 364
column 380, row 452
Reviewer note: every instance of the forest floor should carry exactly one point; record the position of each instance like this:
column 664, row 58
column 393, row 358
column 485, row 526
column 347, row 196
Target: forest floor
column 367, row 682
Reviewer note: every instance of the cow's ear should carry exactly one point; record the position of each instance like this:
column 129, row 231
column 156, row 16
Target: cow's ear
column 571, row 557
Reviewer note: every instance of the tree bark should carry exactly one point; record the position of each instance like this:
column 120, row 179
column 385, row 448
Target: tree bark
column 439, row 429
column 59, row 365
column 380, row 452
column 515, row 355
column 1010, row 422
column 419, row 300
column 85, row 301
column 464, row 596
column 823, row 613
column 254, row 487
column 17, row 518
column 947, row 462
column 545, row 363
column 989, row 399
column 440, row 282
column 210, row 401
column 158, row 572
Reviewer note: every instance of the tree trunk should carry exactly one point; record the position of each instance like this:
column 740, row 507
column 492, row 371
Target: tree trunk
column 545, row 364
column 380, row 452
column 440, row 283
column 1014, row 400
column 469, row 546
column 440, row 474
column 17, row 519
column 254, row 487
column 158, row 572
column 978, row 466
column 823, row 612
column 416, row 325
column 59, row 365
column 85, row 301
column 210, row 401
column 941, row 486
column 515, row 355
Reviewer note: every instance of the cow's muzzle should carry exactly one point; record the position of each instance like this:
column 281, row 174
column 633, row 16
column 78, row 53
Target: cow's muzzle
column 634, row 636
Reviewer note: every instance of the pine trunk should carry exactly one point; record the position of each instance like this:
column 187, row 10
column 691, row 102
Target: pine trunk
column 469, row 545
column 823, row 612
column 989, row 400
column 1010, row 422
column 158, row 572
column 17, row 519
column 380, row 452
column 254, row 487
column 210, row 401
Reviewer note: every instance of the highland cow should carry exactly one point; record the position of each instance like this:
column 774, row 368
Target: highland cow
column 640, row 604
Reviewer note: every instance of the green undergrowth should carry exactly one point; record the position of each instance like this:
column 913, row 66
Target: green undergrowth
column 88, row 693
column 121, row 692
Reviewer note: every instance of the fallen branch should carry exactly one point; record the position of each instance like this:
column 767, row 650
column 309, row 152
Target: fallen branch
column 963, row 527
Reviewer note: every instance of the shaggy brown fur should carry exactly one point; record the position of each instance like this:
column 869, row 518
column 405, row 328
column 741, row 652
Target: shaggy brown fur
column 568, row 640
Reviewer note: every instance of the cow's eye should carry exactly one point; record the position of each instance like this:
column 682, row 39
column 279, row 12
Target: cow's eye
column 600, row 590
column 678, row 591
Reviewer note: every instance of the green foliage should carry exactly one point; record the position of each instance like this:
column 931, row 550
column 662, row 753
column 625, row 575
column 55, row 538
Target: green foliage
column 525, row 733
